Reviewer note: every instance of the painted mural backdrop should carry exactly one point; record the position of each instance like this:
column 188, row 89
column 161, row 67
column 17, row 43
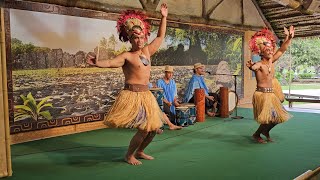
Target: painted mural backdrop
column 53, row 86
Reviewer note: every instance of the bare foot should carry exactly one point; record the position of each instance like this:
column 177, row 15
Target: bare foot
column 267, row 135
column 174, row 127
column 211, row 114
column 159, row 131
column 132, row 160
column 142, row 155
column 270, row 140
column 258, row 139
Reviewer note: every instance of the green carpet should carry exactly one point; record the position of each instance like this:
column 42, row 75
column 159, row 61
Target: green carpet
column 215, row 149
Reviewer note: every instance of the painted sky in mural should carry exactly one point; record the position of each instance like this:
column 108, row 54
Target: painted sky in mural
column 69, row 33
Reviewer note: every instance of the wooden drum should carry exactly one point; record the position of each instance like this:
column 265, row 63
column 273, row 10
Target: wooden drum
column 200, row 101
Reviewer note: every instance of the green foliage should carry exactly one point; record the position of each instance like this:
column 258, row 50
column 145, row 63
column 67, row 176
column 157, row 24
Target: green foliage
column 112, row 42
column 18, row 47
column 305, row 76
column 302, row 86
column 289, row 76
column 104, row 43
column 238, row 69
column 305, row 51
column 234, row 51
column 216, row 46
column 30, row 108
column 278, row 75
column 121, row 50
column 58, row 72
column 175, row 36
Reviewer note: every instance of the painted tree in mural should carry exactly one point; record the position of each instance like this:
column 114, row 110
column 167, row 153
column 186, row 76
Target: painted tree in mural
column 234, row 53
column 107, row 48
column 24, row 55
column 103, row 43
column 112, row 42
column 18, row 47
column 184, row 47
column 188, row 46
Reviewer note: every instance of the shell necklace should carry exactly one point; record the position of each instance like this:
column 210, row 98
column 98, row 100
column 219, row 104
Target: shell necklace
column 268, row 64
column 143, row 58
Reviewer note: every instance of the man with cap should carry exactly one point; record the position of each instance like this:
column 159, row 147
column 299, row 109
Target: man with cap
column 170, row 93
column 197, row 82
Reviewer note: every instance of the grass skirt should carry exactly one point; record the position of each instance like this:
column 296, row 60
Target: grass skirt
column 267, row 108
column 277, row 89
column 135, row 110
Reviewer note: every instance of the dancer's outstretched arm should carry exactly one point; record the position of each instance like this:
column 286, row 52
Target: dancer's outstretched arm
column 285, row 44
column 156, row 43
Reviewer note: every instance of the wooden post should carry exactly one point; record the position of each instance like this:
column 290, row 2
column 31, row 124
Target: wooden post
column 224, row 96
column 5, row 152
column 200, row 102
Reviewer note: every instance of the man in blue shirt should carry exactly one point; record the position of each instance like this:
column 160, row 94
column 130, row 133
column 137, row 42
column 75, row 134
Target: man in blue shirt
column 170, row 93
column 197, row 82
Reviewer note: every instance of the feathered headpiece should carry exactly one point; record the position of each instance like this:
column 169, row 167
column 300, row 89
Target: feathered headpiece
column 261, row 39
column 132, row 22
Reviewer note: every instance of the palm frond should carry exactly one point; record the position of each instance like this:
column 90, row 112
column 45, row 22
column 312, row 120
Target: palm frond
column 46, row 114
column 45, row 105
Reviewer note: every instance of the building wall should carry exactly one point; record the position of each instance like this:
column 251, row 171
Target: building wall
column 249, row 80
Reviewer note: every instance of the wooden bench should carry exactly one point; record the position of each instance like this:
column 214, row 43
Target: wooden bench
column 310, row 175
column 301, row 98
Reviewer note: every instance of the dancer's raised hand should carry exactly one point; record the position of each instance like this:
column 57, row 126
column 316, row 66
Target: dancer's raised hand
column 164, row 10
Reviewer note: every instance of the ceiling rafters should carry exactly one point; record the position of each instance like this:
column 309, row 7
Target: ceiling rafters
column 255, row 3
column 149, row 5
column 242, row 12
column 274, row 15
column 280, row 16
column 206, row 14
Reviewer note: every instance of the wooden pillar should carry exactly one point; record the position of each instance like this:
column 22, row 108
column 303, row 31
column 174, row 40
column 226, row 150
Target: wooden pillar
column 5, row 154
column 224, row 96
column 200, row 102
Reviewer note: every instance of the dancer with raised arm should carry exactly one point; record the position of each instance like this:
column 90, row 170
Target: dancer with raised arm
column 136, row 107
column 267, row 107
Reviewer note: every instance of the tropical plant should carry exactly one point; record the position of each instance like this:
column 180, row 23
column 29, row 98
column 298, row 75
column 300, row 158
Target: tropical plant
column 112, row 42
column 305, row 76
column 30, row 108
column 289, row 76
column 234, row 51
column 279, row 75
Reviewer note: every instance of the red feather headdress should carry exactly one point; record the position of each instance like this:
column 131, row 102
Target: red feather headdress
column 260, row 39
column 132, row 22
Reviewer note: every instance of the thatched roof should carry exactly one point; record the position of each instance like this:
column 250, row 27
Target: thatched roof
column 236, row 15
column 305, row 21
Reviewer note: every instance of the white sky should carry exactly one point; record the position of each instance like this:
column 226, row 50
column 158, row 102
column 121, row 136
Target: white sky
column 69, row 33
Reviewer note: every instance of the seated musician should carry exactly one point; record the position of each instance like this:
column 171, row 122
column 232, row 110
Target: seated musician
column 167, row 120
column 169, row 92
column 196, row 82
